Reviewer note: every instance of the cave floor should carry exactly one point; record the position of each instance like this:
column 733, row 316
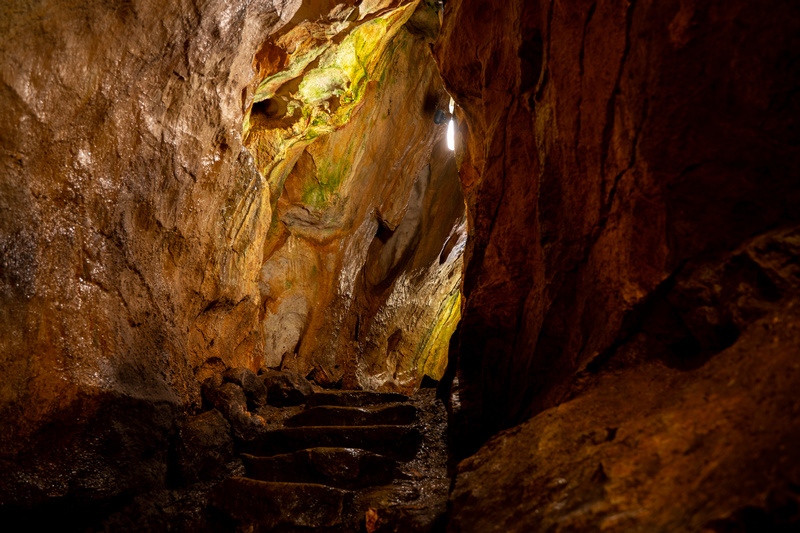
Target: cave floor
column 347, row 461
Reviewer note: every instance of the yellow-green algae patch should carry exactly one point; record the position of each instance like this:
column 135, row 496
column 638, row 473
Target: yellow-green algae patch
column 321, row 84
column 431, row 359
column 319, row 190
column 269, row 86
column 327, row 95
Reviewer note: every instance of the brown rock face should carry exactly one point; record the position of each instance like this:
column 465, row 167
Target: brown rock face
column 144, row 249
column 606, row 144
column 131, row 222
column 630, row 169
column 646, row 449
column 688, row 427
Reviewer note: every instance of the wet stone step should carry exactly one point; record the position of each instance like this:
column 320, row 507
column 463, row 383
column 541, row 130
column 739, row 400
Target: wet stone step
column 268, row 505
column 394, row 442
column 342, row 528
column 325, row 415
column 405, row 506
column 408, row 519
column 352, row 398
column 401, row 493
column 348, row 468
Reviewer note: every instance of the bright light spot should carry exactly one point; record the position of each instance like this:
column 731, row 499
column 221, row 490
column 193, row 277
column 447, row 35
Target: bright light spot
column 451, row 128
column 451, row 135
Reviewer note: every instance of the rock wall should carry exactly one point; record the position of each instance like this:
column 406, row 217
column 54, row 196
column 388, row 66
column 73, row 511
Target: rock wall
column 688, row 426
column 607, row 143
column 132, row 222
column 630, row 169
column 358, row 288
column 143, row 247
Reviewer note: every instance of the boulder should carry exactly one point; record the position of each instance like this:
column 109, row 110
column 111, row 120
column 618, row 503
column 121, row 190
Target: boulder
column 286, row 388
column 230, row 399
column 205, row 447
column 254, row 389
column 227, row 397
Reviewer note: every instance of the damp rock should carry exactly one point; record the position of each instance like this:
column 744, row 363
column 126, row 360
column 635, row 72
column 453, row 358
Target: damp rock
column 286, row 388
column 254, row 389
column 205, row 447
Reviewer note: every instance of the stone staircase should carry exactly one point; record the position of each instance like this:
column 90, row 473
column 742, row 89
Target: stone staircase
column 351, row 461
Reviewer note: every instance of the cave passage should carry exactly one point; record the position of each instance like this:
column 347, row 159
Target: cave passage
column 362, row 292
column 358, row 290
column 259, row 273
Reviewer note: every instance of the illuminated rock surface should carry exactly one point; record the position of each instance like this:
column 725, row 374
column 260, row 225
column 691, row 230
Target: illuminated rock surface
column 356, row 286
column 144, row 249
column 210, row 211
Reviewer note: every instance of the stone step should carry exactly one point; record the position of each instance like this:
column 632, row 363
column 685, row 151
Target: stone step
column 271, row 505
column 326, row 415
column 394, row 442
column 342, row 528
column 353, row 398
column 348, row 468
column 405, row 506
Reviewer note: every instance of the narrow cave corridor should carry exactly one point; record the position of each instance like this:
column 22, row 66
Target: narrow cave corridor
column 380, row 266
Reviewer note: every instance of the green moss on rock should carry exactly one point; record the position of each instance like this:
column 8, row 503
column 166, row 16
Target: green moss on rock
column 328, row 94
column 432, row 357
column 320, row 190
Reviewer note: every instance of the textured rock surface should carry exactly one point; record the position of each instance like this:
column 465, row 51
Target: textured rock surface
column 286, row 388
column 631, row 171
column 144, row 250
column 131, row 221
column 205, row 448
column 357, row 285
column 231, row 401
column 690, row 454
column 666, row 437
column 606, row 143
column 253, row 387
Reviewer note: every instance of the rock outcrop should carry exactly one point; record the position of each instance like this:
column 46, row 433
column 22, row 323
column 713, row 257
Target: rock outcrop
column 689, row 426
column 131, row 224
column 606, row 144
column 630, row 169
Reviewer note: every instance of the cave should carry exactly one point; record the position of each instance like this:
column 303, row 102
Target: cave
column 246, row 285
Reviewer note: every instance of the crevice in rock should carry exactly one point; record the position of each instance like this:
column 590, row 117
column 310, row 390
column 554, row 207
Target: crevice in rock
column 610, row 116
